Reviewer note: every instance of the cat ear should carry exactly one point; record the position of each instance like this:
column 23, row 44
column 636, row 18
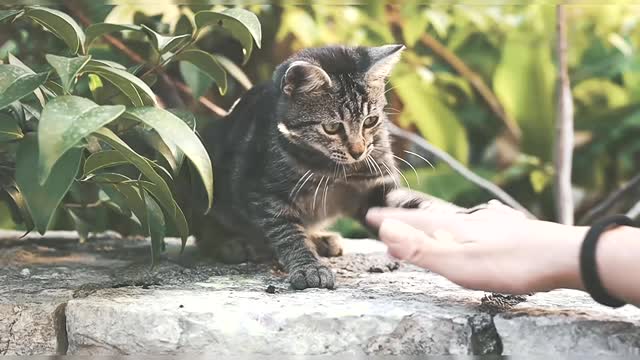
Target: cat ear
column 302, row 77
column 383, row 59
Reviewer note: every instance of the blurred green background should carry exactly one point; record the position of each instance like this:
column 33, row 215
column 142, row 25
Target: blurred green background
column 477, row 81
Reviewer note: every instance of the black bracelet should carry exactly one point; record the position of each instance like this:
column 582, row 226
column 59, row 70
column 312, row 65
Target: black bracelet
column 588, row 266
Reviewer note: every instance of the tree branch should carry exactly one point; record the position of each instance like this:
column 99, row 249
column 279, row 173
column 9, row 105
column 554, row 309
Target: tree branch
column 564, row 127
column 611, row 200
column 634, row 212
column 459, row 168
column 476, row 81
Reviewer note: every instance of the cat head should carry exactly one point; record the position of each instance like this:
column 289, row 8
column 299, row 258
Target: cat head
column 332, row 100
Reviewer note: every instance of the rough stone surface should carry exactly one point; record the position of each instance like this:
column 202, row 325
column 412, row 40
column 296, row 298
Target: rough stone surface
column 101, row 297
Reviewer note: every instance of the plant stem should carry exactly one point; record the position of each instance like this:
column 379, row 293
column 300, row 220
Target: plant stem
column 611, row 200
column 476, row 81
column 634, row 212
column 564, row 127
column 459, row 168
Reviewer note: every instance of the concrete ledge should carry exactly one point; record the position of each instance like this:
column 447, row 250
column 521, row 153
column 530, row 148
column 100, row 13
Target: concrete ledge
column 102, row 298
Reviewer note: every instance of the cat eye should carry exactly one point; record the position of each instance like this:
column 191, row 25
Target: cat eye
column 332, row 128
column 371, row 121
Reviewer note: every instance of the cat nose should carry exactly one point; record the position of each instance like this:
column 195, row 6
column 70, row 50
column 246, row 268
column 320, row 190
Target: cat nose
column 356, row 150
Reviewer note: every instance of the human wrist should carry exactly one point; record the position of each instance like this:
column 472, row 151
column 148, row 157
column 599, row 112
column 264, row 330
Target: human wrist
column 560, row 249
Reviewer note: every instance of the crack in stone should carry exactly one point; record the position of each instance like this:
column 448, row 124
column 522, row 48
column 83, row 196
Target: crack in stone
column 10, row 335
column 60, row 325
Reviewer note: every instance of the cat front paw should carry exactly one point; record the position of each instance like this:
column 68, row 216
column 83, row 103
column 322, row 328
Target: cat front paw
column 327, row 244
column 312, row 276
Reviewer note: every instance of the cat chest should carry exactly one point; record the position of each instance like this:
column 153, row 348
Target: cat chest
column 323, row 201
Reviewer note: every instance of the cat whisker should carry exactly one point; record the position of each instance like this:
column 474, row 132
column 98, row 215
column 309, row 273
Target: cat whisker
column 324, row 197
column 368, row 164
column 315, row 194
column 344, row 170
column 411, row 166
column 376, row 166
column 421, row 157
column 298, row 183
column 379, row 171
column 301, row 186
column 402, row 175
column 389, row 89
column 395, row 182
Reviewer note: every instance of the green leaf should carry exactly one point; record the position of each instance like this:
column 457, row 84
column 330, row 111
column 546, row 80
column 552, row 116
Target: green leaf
column 234, row 70
column 207, row 64
column 114, row 200
column 103, row 159
column 107, row 63
column 435, row 121
column 249, row 20
column 67, row 68
column 138, row 161
column 43, row 200
column 156, row 228
column 237, row 28
column 16, row 83
column 8, row 14
column 123, row 192
column 172, row 128
column 172, row 210
column 197, row 80
column 120, row 189
column 133, row 87
column 416, row 22
column 64, row 122
column 184, row 25
column 175, row 153
column 95, row 31
column 60, row 24
column 9, row 128
column 165, row 43
column 18, row 199
column 539, row 180
column 15, row 61
column 524, row 81
column 601, row 94
column 153, row 139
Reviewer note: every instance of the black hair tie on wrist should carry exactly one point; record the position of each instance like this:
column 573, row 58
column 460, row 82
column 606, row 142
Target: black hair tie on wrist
column 588, row 266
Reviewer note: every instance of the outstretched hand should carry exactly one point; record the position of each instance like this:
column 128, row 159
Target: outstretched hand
column 494, row 249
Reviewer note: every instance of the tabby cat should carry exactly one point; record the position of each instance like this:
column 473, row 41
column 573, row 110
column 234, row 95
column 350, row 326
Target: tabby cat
column 298, row 151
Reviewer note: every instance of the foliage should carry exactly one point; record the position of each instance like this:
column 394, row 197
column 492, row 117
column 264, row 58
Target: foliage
column 510, row 49
column 63, row 124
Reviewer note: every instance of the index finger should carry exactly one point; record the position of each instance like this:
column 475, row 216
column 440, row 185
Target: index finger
column 419, row 218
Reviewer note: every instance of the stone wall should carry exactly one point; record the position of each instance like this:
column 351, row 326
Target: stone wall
column 58, row 297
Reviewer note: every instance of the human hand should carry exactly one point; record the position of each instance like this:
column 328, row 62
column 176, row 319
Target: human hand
column 494, row 249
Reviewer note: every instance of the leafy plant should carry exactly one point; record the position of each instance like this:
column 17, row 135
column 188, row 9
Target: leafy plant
column 64, row 127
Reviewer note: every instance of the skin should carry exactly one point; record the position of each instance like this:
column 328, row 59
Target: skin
column 499, row 249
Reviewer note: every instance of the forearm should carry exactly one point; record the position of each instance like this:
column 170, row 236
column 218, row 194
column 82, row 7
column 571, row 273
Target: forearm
column 617, row 258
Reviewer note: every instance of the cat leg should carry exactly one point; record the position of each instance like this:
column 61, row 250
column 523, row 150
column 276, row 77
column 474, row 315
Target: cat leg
column 290, row 243
column 219, row 242
column 327, row 243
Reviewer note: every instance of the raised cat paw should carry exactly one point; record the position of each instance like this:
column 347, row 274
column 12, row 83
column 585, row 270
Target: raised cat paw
column 327, row 244
column 312, row 276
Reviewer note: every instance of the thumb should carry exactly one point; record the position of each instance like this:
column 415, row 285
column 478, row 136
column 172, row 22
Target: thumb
column 406, row 242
